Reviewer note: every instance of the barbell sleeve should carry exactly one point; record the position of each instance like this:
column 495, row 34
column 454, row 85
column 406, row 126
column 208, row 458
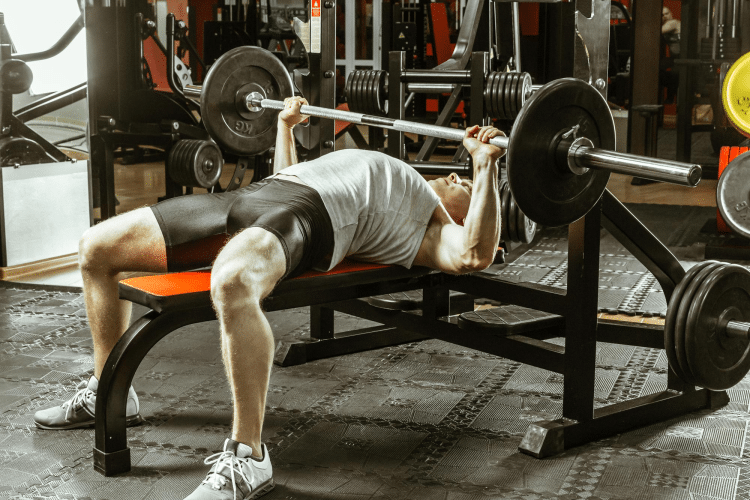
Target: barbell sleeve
column 655, row 169
column 738, row 329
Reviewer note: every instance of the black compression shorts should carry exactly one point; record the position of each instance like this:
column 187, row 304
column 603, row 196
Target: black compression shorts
column 195, row 227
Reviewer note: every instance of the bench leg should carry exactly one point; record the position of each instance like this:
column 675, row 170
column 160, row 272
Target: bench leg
column 111, row 452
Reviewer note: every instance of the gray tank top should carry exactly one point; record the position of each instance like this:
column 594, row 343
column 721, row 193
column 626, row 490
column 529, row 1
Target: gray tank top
column 379, row 206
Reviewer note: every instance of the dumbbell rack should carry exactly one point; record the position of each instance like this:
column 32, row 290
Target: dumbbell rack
column 576, row 361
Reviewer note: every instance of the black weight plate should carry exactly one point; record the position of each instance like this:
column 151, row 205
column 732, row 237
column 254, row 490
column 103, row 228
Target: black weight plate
column 381, row 97
column 525, row 227
column 235, row 74
column 348, row 90
column 208, row 164
column 681, row 319
column 733, row 195
column 372, row 92
column 508, row 95
column 363, row 89
column 671, row 318
column 176, row 162
column 502, row 97
column 503, row 213
column 361, row 96
column 351, row 95
column 497, row 94
column 548, row 194
column 512, row 217
column 716, row 360
column 506, row 208
column 487, row 94
column 513, row 95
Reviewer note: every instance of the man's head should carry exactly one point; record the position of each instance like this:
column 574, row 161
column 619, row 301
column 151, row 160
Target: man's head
column 455, row 193
column 666, row 15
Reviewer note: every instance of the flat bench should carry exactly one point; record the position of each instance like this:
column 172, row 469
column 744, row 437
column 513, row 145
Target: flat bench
column 181, row 299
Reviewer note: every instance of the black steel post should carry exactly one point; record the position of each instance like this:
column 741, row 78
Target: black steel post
column 580, row 320
column 321, row 322
column 396, row 96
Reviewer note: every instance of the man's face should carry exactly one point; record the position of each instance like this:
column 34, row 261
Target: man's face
column 666, row 15
column 455, row 193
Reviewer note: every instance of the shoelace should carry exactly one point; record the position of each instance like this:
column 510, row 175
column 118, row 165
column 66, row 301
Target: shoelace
column 225, row 460
column 78, row 400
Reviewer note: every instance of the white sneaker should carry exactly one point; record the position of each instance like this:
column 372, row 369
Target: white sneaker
column 78, row 411
column 236, row 474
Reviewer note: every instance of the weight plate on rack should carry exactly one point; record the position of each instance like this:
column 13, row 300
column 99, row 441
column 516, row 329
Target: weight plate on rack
column 671, row 318
column 512, row 217
column 548, row 193
column 372, row 93
column 733, row 195
column 487, row 94
column 525, row 227
column 716, row 360
column 503, row 213
column 232, row 77
column 510, row 85
column 497, row 94
column 682, row 315
column 506, row 208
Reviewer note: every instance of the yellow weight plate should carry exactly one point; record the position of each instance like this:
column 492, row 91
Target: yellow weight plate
column 735, row 94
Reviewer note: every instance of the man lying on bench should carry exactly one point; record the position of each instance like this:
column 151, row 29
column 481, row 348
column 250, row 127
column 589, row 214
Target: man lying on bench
column 361, row 204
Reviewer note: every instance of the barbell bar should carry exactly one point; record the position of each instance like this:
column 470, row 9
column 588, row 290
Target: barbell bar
column 581, row 155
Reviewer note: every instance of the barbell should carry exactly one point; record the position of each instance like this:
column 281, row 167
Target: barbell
column 558, row 161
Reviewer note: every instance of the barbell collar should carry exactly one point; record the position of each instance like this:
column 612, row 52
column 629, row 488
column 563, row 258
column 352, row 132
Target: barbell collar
column 193, row 92
column 738, row 329
column 657, row 169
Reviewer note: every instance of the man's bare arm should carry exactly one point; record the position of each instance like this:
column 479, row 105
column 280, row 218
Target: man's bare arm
column 460, row 249
column 286, row 151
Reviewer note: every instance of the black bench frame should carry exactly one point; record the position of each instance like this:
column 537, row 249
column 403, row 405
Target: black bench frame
column 581, row 422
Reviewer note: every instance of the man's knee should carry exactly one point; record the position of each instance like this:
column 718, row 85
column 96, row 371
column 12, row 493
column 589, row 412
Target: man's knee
column 93, row 249
column 247, row 269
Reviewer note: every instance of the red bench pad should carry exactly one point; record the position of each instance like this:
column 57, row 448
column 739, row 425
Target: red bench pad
column 192, row 289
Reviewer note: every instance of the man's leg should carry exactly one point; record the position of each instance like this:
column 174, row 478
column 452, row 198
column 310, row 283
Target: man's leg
column 129, row 242
column 245, row 272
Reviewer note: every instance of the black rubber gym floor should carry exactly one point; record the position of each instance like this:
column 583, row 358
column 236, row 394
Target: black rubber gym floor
column 424, row 420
